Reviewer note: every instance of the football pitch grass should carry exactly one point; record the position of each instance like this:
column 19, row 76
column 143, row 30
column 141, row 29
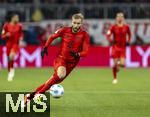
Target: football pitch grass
column 89, row 92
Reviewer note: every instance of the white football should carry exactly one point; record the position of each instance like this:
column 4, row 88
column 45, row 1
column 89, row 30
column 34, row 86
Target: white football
column 56, row 90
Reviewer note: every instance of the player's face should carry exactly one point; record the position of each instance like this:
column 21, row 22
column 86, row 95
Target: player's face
column 76, row 24
column 15, row 19
column 120, row 17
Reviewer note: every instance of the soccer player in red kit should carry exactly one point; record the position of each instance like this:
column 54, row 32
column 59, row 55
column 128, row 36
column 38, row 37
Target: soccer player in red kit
column 13, row 34
column 121, row 34
column 75, row 44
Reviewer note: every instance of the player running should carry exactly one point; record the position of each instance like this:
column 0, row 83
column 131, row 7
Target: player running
column 13, row 34
column 119, row 31
column 75, row 44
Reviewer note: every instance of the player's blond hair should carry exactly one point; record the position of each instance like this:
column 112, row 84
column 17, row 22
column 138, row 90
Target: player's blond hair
column 78, row 16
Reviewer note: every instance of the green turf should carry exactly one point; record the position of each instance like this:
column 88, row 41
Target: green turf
column 89, row 92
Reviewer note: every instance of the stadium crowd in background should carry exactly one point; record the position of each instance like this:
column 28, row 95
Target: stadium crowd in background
column 37, row 35
column 73, row 1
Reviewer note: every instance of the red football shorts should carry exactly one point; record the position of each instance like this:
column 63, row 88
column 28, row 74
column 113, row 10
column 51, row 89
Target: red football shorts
column 68, row 64
column 12, row 48
column 118, row 53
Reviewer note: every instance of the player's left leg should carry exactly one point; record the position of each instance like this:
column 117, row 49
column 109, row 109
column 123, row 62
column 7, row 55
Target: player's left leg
column 122, row 62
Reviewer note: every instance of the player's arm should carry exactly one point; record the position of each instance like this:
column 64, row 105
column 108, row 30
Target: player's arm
column 85, row 47
column 53, row 36
column 109, row 35
column 129, row 35
column 5, row 34
column 21, row 34
column 49, row 41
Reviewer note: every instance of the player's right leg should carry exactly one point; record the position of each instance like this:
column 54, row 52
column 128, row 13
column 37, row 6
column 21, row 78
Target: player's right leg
column 115, row 70
column 11, row 52
column 57, row 77
column 11, row 70
column 61, row 72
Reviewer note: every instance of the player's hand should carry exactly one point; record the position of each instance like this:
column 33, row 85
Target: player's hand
column 43, row 52
column 22, row 43
column 74, row 54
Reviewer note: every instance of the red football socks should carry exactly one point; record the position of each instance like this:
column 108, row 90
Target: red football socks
column 114, row 72
column 10, row 64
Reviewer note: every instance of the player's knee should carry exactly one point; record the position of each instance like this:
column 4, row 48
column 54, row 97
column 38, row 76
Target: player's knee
column 61, row 72
column 11, row 56
column 115, row 65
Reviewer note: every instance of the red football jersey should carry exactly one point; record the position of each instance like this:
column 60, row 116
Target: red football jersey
column 76, row 42
column 119, row 34
column 15, row 31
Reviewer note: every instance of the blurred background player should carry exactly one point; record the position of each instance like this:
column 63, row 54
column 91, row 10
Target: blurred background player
column 75, row 44
column 12, row 33
column 121, row 34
